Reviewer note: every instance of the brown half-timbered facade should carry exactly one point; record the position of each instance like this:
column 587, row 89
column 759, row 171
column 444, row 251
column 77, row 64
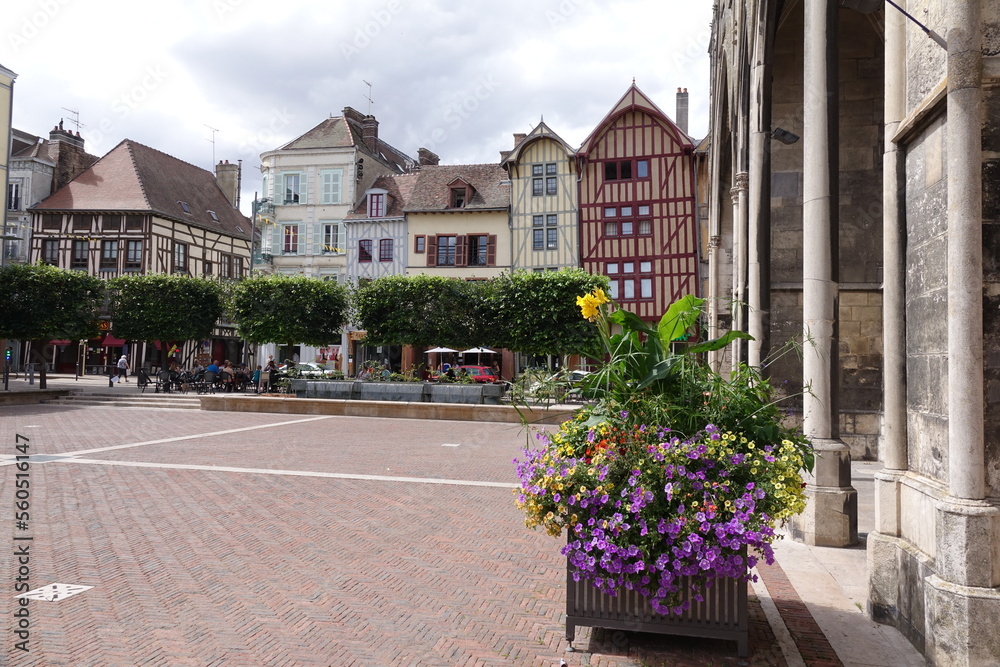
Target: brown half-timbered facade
column 138, row 210
column 637, row 206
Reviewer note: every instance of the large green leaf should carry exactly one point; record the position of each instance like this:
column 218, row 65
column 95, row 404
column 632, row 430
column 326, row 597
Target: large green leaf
column 718, row 343
column 680, row 316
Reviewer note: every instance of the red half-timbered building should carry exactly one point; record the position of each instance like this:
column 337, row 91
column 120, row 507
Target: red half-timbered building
column 637, row 206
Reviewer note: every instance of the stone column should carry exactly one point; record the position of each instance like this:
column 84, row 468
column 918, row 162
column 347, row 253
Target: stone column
column 831, row 516
column 714, row 249
column 738, row 193
column 759, row 211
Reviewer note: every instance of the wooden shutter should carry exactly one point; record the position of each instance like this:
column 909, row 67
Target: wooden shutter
column 491, row 251
column 341, row 238
column 432, row 250
column 461, row 245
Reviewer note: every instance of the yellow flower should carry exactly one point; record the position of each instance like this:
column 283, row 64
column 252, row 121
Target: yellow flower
column 589, row 303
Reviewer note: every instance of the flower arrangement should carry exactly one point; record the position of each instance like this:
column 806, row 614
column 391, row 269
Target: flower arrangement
column 672, row 473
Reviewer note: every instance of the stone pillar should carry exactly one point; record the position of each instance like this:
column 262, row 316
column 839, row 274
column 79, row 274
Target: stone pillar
column 714, row 261
column 738, row 193
column 831, row 516
column 759, row 212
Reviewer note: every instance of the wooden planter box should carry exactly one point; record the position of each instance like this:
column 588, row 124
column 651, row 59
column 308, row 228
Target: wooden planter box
column 722, row 614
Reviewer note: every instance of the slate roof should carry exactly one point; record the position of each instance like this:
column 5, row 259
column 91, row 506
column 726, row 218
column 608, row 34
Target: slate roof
column 490, row 184
column 346, row 132
column 135, row 177
column 400, row 189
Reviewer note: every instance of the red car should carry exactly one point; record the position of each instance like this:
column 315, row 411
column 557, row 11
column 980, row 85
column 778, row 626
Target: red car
column 478, row 373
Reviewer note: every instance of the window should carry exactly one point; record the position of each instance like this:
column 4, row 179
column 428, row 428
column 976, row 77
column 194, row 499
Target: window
column 611, row 228
column 331, row 239
column 610, row 212
column 458, row 196
column 538, row 221
column 645, row 227
column 419, row 243
column 645, row 267
column 613, row 289
column 478, row 245
column 646, row 288
column 644, row 210
column 628, row 267
column 294, row 189
column 626, row 211
column 537, row 187
column 446, row 250
column 133, row 254
column 538, row 239
column 629, row 289
column 611, row 269
column 133, row 223
column 13, row 196
column 625, row 170
column 52, row 221
column 330, row 182
column 109, row 254
column 184, row 206
column 365, row 250
column 550, row 185
column 619, row 170
column 290, row 245
column 642, row 169
column 180, row 257
column 385, row 250
column 237, row 267
column 82, row 223
column 213, row 215
column 226, row 266
column 50, row 251
column 537, row 169
column 81, row 249
column 550, row 168
column 206, row 268
column 626, row 227
column 551, row 238
column 376, row 205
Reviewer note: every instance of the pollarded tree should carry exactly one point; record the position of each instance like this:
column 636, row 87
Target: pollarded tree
column 164, row 308
column 43, row 302
column 536, row 312
column 289, row 309
column 423, row 311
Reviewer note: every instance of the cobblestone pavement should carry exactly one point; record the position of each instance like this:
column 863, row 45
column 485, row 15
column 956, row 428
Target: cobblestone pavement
column 258, row 539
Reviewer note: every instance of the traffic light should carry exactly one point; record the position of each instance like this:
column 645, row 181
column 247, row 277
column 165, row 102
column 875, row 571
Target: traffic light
column 7, row 355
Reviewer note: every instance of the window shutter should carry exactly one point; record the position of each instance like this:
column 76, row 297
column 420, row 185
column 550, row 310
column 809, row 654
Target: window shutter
column 491, row 251
column 317, row 239
column 432, row 250
column 335, row 186
column 277, row 239
column 341, row 238
column 461, row 245
column 303, row 188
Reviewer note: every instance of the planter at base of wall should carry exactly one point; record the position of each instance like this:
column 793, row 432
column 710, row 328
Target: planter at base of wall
column 410, row 392
column 721, row 615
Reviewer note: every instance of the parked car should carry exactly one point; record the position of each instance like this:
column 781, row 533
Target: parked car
column 305, row 369
column 478, row 373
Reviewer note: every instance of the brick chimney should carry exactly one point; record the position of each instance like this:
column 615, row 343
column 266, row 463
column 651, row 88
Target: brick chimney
column 427, row 158
column 65, row 136
column 682, row 109
column 369, row 131
column 518, row 138
column 228, row 177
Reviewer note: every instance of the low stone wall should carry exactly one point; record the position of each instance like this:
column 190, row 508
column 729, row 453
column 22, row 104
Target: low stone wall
column 407, row 392
column 555, row 414
column 29, row 396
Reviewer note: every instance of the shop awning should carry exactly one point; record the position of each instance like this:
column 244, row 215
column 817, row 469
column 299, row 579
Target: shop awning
column 111, row 341
column 60, row 342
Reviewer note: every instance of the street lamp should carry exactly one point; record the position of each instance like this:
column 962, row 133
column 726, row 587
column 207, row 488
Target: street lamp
column 872, row 6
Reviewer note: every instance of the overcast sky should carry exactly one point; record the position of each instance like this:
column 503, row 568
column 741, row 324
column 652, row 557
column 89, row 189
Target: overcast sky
column 457, row 77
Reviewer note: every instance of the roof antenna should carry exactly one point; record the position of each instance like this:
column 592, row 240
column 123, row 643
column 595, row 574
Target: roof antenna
column 76, row 118
column 213, row 142
column 370, row 101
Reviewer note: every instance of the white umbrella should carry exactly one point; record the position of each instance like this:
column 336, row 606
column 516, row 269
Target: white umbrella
column 478, row 350
column 440, row 349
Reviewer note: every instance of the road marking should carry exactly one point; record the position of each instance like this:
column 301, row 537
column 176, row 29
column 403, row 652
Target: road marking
column 294, row 473
column 448, row 444
column 54, row 592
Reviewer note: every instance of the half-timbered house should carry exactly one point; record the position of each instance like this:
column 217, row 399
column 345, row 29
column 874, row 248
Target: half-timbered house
column 543, row 205
column 637, row 206
column 139, row 210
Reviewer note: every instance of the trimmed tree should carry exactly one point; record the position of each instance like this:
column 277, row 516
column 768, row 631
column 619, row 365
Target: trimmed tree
column 161, row 307
column 536, row 312
column 43, row 302
column 422, row 311
column 289, row 309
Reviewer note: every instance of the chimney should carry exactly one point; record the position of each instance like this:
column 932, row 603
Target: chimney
column 682, row 110
column 518, row 138
column 427, row 158
column 65, row 136
column 369, row 130
column 228, row 177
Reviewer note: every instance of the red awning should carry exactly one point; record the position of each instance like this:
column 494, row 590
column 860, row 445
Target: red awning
column 111, row 341
column 59, row 342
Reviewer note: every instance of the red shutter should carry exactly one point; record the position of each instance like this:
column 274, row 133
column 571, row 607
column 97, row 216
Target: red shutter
column 461, row 242
column 432, row 250
column 491, row 251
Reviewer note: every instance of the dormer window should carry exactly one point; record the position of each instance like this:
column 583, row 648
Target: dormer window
column 376, row 204
column 215, row 217
column 459, row 197
column 184, row 206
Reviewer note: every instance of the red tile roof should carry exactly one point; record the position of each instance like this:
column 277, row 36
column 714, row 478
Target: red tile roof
column 490, row 184
column 134, row 177
column 400, row 189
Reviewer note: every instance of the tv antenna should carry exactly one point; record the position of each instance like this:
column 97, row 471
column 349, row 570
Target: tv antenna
column 76, row 118
column 214, row 130
column 369, row 98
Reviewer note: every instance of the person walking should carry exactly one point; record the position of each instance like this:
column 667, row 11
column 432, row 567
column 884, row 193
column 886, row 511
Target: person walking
column 123, row 368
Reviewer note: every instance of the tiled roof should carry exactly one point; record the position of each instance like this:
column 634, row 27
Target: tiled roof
column 400, row 189
column 134, row 177
column 491, row 188
column 633, row 100
column 346, row 132
column 540, row 131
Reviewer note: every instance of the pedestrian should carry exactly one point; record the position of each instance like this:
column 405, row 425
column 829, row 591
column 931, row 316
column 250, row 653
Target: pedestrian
column 123, row 368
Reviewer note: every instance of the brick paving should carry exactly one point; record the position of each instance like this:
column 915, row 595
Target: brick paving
column 239, row 567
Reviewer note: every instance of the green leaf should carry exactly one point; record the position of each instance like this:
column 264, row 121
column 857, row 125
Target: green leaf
column 680, row 316
column 718, row 343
